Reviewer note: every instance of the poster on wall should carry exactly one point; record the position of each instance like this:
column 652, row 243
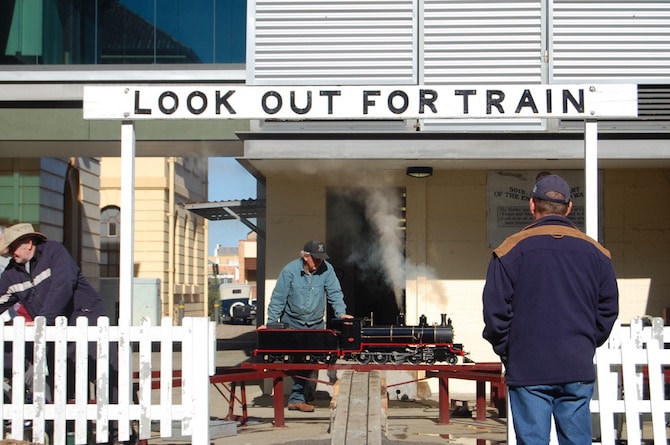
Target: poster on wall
column 507, row 196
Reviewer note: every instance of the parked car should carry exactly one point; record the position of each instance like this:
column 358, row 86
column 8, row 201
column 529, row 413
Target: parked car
column 238, row 305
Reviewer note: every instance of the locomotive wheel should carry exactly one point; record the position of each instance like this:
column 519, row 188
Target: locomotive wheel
column 414, row 359
column 381, row 358
column 452, row 359
column 363, row 358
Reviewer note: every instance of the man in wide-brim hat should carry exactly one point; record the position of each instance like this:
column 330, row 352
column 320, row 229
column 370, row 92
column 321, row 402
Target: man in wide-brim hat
column 45, row 279
column 15, row 234
column 51, row 283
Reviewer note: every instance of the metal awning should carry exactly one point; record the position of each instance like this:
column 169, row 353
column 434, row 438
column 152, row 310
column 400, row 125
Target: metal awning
column 242, row 210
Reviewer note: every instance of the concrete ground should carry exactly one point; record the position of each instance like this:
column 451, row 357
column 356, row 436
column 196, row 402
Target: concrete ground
column 409, row 421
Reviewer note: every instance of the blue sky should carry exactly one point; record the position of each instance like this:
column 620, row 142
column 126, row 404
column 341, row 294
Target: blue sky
column 228, row 180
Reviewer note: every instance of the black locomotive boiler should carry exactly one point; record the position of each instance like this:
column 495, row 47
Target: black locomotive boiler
column 354, row 339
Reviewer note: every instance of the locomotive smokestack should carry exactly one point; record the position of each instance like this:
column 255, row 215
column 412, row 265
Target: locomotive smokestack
column 401, row 319
column 443, row 323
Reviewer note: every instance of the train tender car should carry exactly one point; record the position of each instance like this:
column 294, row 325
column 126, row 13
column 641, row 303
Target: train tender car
column 277, row 343
column 352, row 339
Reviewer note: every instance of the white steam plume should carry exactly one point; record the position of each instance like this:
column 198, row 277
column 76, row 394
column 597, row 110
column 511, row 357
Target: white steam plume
column 383, row 211
column 386, row 251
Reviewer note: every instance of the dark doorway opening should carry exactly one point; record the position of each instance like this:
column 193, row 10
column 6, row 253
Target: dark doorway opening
column 366, row 244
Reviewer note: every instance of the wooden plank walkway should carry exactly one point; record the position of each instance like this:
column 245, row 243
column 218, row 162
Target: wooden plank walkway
column 359, row 416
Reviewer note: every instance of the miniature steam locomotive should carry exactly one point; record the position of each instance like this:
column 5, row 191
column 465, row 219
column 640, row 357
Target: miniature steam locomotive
column 352, row 339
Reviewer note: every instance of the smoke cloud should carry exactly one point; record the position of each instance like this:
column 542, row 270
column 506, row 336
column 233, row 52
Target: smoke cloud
column 382, row 253
column 383, row 211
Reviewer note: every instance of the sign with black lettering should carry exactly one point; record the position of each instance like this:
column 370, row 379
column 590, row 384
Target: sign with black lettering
column 140, row 102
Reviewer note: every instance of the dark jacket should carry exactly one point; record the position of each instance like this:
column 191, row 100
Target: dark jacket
column 550, row 299
column 53, row 287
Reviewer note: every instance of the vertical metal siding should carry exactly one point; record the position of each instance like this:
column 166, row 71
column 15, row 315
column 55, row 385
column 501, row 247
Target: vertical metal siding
column 622, row 41
column 476, row 42
column 482, row 42
column 334, row 42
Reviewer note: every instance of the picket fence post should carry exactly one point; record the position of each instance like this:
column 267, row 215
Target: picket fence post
column 28, row 345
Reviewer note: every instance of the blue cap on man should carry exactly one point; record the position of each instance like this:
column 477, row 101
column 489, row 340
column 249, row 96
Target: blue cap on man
column 552, row 183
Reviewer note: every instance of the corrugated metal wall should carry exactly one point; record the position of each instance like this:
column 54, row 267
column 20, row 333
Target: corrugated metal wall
column 622, row 41
column 475, row 42
column 460, row 42
column 482, row 42
column 333, row 42
column 368, row 41
column 463, row 41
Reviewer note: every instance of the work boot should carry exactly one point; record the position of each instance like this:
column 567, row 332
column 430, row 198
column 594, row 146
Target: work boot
column 301, row 406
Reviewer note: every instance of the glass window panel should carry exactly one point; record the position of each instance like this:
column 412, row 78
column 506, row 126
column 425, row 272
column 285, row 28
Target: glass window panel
column 230, row 32
column 24, row 36
column 122, row 31
column 185, row 31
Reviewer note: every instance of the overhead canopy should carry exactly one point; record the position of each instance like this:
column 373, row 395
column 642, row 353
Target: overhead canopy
column 242, row 210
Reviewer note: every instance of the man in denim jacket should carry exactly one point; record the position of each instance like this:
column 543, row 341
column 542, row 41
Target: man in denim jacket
column 299, row 300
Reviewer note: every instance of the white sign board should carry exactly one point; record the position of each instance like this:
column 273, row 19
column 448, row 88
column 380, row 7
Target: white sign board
column 226, row 101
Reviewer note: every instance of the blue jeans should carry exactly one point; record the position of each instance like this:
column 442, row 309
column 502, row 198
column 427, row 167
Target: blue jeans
column 533, row 406
column 303, row 390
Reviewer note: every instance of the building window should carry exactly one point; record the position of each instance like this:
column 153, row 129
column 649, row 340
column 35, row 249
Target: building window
column 37, row 32
column 110, row 246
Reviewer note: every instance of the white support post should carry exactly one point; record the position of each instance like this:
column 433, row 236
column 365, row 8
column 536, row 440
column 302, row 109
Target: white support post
column 200, row 329
column 127, row 262
column 591, row 177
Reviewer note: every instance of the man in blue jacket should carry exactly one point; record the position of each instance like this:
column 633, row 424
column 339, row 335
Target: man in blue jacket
column 44, row 278
column 299, row 301
column 550, row 299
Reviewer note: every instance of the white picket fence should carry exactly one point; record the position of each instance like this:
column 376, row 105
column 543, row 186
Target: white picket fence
column 196, row 337
column 630, row 387
column 630, row 383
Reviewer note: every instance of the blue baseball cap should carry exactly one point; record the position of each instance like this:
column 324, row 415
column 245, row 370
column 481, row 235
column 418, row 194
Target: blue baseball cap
column 552, row 183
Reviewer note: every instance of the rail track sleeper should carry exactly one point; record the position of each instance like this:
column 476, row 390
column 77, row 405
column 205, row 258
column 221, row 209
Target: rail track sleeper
column 357, row 418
